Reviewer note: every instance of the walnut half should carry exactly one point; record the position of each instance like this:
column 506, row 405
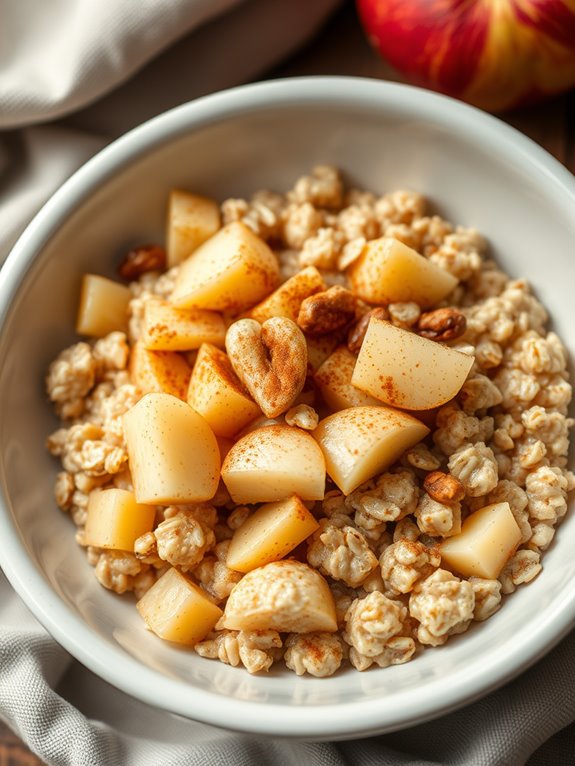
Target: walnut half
column 357, row 332
column 141, row 260
column 443, row 487
column 327, row 311
column 442, row 324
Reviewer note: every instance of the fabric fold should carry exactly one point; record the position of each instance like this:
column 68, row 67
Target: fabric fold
column 100, row 67
column 93, row 45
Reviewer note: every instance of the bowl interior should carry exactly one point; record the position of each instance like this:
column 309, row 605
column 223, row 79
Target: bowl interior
column 474, row 172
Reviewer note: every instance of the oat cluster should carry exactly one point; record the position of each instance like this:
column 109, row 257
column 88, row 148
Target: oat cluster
column 503, row 438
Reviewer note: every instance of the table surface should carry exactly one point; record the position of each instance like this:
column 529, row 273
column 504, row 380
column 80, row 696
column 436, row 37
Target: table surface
column 341, row 48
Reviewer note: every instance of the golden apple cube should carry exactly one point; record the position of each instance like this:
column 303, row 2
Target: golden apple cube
column 287, row 299
column 178, row 610
column 488, row 538
column 159, row 371
column 174, row 456
column 270, row 533
column 168, row 328
column 334, row 382
column 192, row 220
column 318, row 350
column 272, row 463
column 258, row 601
column 232, row 271
column 115, row 520
column 405, row 370
column 360, row 442
column 388, row 271
column 216, row 392
column 103, row 306
column 260, row 422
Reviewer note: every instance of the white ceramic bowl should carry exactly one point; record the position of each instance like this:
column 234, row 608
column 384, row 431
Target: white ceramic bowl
column 476, row 171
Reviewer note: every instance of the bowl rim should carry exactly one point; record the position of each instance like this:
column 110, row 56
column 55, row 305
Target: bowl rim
column 352, row 719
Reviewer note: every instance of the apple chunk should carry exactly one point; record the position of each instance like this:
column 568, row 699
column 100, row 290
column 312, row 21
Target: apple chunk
column 230, row 272
column 287, row 299
column 334, row 382
column 405, row 370
column 270, row 533
column 174, row 456
column 192, row 220
column 272, row 463
column 167, row 328
column 103, row 306
column 217, row 393
column 159, row 371
column 115, row 520
column 388, row 271
column 318, row 350
column 259, row 602
column 178, row 610
column 488, row 538
column 360, row 442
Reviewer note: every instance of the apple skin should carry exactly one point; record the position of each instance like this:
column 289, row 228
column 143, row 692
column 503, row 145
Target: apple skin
column 495, row 54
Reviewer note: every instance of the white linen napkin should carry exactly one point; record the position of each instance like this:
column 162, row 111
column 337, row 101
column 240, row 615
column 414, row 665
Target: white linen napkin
column 97, row 66
column 69, row 717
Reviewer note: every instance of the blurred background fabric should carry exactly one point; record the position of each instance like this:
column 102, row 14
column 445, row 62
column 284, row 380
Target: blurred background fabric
column 72, row 59
column 74, row 74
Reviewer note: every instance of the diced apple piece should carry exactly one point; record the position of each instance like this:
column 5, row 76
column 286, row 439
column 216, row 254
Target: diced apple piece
column 217, row 393
column 115, row 520
column 269, row 534
column 230, row 272
column 167, row 328
column 334, row 382
column 388, row 271
column 103, row 306
column 261, row 422
column 287, row 299
column 405, row 370
column 273, row 463
column 360, row 442
column 178, row 610
column 159, row 371
column 488, row 538
column 174, row 456
column 191, row 221
column 318, row 350
column 258, row 601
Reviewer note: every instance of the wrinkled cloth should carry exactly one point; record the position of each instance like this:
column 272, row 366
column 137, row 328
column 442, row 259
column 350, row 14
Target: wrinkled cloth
column 72, row 718
column 74, row 74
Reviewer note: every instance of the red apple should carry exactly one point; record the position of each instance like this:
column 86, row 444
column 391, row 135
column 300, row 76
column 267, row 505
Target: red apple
column 493, row 53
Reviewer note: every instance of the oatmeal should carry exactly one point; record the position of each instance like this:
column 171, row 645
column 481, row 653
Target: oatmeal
column 237, row 450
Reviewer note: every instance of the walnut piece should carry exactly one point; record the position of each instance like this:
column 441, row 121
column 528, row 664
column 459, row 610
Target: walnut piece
column 442, row 324
column 142, row 260
column 357, row 332
column 327, row 311
column 443, row 487
column 270, row 359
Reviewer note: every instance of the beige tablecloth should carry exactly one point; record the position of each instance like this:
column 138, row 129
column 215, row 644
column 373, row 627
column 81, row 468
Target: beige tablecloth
column 73, row 75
